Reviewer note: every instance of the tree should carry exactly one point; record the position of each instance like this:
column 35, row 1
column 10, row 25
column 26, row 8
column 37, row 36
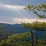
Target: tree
column 7, row 34
column 39, row 26
column 28, row 25
column 36, row 9
column 1, row 32
column 39, row 10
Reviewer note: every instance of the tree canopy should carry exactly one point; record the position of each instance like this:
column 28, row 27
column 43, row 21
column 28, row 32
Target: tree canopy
column 39, row 10
column 34, row 25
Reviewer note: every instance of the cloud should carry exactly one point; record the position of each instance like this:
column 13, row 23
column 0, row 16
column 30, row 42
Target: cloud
column 22, row 2
column 15, row 2
column 14, row 7
column 6, row 20
column 11, row 6
column 10, row 10
column 18, row 20
column 27, row 20
column 15, row 14
column 14, row 11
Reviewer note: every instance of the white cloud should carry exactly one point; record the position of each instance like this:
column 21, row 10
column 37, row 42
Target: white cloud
column 11, row 6
column 18, row 20
column 6, row 20
column 16, row 16
column 26, row 20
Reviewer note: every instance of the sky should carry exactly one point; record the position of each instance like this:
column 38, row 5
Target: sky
column 13, row 12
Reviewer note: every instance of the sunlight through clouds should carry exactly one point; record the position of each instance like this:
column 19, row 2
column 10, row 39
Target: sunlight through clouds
column 14, row 7
column 20, row 13
column 13, row 14
column 27, row 20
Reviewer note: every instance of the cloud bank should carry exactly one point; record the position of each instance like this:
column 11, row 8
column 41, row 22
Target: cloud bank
column 12, row 11
column 27, row 20
column 22, row 2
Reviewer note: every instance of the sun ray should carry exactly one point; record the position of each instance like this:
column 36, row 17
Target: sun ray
column 20, row 13
column 16, row 8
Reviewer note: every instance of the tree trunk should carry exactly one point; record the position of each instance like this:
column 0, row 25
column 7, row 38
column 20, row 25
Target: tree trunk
column 32, row 38
column 36, row 38
column 0, row 35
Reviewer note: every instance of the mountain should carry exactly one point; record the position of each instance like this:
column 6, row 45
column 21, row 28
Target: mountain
column 16, row 28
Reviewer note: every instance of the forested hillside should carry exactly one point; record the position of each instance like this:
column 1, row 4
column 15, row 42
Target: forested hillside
column 16, row 28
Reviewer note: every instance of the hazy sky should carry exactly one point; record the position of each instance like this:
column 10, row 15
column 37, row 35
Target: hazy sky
column 12, row 11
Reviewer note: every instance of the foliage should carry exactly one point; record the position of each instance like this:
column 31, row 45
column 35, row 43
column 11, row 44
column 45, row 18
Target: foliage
column 35, row 25
column 21, row 39
column 39, row 10
column 3, row 34
column 1, row 28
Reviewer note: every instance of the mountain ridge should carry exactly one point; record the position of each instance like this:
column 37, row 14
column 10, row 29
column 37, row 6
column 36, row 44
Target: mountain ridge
column 15, row 27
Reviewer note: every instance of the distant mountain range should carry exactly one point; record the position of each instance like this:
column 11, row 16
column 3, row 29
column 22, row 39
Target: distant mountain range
column 16, row 28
